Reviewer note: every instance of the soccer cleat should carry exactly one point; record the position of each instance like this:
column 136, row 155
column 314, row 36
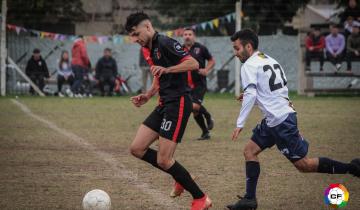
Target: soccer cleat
column 355, row 165
column 205, row 136
column 210, row 123
column 243, row 204
column 177, row 190
column 203, row 203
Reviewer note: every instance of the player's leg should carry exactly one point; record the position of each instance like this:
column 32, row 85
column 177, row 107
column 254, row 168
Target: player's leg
column 199, row 118
column 260, row 140
column 204, row 111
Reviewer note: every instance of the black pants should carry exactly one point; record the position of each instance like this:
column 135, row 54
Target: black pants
column 334, row 60
column 349, row 57
column 39, row 81
column 61, row 80
column 79, row 73
column 311, row 54
column 106, row 80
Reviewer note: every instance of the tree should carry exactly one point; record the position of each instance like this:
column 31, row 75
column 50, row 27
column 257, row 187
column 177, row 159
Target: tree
column 40, row 14
column 265, row 16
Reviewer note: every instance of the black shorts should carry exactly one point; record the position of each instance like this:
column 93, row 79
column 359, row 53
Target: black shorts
column 286, row 136
column 170, row 119
column 197, row 94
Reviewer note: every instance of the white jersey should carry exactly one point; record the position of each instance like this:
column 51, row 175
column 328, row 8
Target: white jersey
column 268, row 76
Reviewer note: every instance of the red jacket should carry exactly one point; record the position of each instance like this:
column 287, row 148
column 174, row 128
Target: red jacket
column 318, row 46
column 79, row 54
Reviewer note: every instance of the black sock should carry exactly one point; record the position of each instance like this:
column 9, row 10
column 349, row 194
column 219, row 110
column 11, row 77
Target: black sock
column 150, row 156
column 182, row 176
column 252, row 175
column 203, row 111
column 329, row 166
column 201, row 122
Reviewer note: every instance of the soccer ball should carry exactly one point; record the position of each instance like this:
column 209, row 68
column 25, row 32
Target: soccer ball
column 336, row 196
column 96, row 200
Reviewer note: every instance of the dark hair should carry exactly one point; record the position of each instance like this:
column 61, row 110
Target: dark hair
column 134, row 19
column 189, row 29
column 316, row 29
column 246, row 36
column 36, row 51
column 62, row 60
column 335, row 25
column 107, row 49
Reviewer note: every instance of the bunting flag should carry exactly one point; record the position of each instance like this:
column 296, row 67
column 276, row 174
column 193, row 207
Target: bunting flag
column 121, row 39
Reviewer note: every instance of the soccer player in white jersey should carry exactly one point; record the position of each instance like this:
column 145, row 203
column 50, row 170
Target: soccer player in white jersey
column 264, row 84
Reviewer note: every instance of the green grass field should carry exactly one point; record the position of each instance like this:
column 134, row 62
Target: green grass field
column 43, row 168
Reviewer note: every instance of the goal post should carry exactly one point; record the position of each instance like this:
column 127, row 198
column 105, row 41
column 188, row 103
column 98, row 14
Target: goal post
column 238, row 6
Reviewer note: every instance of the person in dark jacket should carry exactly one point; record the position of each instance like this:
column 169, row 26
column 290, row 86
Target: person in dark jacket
column 106, row 72
column 315, row 44
column 353, row 47
column 37, row 71
column 352, row 10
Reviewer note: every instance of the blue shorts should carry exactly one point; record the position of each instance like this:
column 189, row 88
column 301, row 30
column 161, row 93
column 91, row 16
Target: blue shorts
column 286, row 136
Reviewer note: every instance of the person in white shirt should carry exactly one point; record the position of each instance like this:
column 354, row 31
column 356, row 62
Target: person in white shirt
column 264, row 83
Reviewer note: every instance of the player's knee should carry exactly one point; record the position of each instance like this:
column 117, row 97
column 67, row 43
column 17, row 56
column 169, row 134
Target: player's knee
column 249, row 153
column 304, row 166
column 136, row 151
column 164, row 163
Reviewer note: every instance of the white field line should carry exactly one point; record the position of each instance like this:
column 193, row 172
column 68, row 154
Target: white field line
column 119, row 169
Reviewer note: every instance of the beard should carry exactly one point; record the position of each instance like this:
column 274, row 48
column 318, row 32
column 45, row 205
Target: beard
column 188, row 42
column 244, row 56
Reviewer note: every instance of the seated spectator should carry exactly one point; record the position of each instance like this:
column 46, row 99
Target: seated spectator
column 106, row 72
column 315, row 44
column 350, row 22
column 37, row 71
column 352, row 10
column 335, row 45
column 353, row 46
column 65, row 73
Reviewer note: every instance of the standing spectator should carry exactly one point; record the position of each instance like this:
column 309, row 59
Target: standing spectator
column 352, row 10
column 65, row 73
column 37, row 71
column 106, row 72
column 145, row 71
column 335, row 45
column 315, row 44
column 79, row 63
column 350, row 22
column 353, row 46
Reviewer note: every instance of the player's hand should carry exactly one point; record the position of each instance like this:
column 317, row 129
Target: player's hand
column 139, row 100
column 236, row 133
column 240, row 97
column 311, row 48
column 158, row 70
column 203, row 72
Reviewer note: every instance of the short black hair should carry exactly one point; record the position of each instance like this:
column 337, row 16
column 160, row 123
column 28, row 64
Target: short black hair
column 107, row 49
column 189, row 29
column 134, row 19
column 246, row 36
column 36, row 51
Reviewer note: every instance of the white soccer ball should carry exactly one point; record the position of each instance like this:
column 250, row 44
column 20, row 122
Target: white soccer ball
column 96, row 200
column 336, row 196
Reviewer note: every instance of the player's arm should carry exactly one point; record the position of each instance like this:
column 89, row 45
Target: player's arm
column 249, row 99
column 187, row 64
column 210, row 63
column 141, row 99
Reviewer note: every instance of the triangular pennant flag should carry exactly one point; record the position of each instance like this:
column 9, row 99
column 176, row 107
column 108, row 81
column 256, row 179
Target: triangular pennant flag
column 194, row 27
column 169, row 33
column 216, row 22
column 42, row 34
column 17, row 29
column 211, row 25
column 228, row 17
column 203, row 25
column 117, row 39
column 57, row 36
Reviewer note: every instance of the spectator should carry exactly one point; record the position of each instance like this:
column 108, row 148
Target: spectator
column 37, row 71
column 65, row 73
column 352, row 10
column 353, row 46
column 350, row 22
column 106, row 72
column 145, row 71
column 79, row 63
column 335, row 45
column 315, row 44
